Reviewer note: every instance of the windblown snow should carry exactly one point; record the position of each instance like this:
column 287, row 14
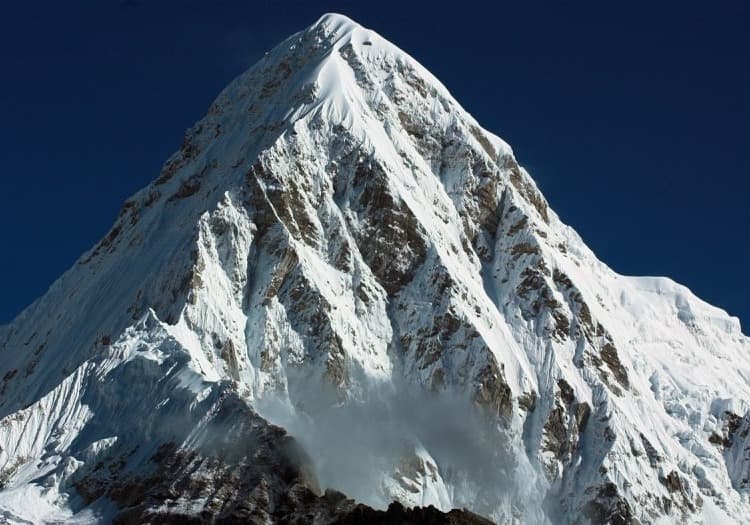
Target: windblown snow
column 342, row 281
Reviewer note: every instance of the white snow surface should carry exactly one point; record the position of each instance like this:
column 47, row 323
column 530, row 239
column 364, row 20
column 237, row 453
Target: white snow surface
column 372, row 270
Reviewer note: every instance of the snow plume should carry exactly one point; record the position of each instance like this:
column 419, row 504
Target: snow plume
column 397, row 442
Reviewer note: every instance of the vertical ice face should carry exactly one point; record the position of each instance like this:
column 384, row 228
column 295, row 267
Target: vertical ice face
column 340, row 249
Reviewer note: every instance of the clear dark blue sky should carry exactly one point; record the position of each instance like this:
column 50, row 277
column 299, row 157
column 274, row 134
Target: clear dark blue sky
column 634, row 119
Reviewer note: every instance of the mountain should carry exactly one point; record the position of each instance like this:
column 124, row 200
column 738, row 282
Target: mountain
column 342, row 288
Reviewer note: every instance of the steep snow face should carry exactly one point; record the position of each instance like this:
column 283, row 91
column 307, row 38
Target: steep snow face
column 339, row 247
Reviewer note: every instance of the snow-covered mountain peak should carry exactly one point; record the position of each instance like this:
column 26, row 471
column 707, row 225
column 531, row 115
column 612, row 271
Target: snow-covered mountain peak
column 336, row 24
column 337, row 66
column 339, row 249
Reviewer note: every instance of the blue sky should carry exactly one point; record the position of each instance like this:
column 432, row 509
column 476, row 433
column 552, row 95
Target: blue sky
column 633, row 118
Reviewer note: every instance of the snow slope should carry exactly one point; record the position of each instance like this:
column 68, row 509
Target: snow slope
column 339, row 249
